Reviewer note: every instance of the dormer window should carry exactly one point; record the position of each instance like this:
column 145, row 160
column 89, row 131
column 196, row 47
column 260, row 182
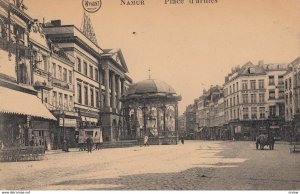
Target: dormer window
column 251, row 70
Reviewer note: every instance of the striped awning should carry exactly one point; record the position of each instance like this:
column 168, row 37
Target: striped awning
column 16, row 102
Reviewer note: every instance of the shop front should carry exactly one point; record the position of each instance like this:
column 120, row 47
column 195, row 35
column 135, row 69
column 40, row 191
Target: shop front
column 88, row 123
column 24, row 120
column 64, row 129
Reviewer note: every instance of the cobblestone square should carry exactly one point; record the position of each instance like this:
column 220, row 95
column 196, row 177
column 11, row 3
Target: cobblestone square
column 196, row 165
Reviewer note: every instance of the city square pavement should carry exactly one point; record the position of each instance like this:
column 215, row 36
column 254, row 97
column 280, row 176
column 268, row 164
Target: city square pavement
column 196, row 165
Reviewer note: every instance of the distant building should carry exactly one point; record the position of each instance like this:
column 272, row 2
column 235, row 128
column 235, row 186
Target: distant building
column 190, row 121
column 181, row 124
column 210, row 113
column 254, row 99
column 292, row 99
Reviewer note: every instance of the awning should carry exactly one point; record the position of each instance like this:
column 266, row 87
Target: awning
column 16, row 102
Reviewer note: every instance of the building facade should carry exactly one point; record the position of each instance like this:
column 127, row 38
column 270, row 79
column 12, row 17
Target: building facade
column 190, row 121
column 254, row 99
column 99, row 79
column 181, row 125
column 292, row 102
column 23, row 117
column 210, row 114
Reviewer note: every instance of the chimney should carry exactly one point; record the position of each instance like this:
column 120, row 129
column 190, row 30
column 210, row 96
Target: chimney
column 56, row 22
column 260, row 62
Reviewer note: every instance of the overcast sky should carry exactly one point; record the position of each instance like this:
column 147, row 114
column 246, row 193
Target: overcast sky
column 188, row 46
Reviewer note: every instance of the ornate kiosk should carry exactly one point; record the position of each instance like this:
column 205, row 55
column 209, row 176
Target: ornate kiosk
column 150, row 107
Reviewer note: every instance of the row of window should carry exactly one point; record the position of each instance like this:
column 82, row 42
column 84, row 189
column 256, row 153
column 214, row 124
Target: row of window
column 87, row 70
column 288, row 84
column 57, row 71
column 261, row 85
column 245, row 99
column 253, row 98
column 88, row 96
column 272, row 80
column 62, row 100
column 93, row 73
column 235, row 86
column 234, row 114
column 61, row 73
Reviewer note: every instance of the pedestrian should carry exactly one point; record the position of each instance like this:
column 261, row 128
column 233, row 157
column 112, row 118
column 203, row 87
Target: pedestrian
column 89, row 143
column 31, row 142
column 146, row 140
column 66, row 143
column 182, row 140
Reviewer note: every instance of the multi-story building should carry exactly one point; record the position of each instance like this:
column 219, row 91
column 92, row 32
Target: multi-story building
column 99, row 78
column 181, row 124
column 210, row 113
column 289, row 95
column 86, row 55
column 23, row 117
column 53, row 78
column 190, row 121
column 292, row 101
column 254, row 98
column 115, row 82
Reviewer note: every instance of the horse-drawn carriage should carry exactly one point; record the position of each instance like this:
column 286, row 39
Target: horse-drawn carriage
column 95, row 134
column 265, row 140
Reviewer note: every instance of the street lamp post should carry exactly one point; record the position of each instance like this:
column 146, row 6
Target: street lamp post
column 144, row 109
column 64, row 131
column 64, row 125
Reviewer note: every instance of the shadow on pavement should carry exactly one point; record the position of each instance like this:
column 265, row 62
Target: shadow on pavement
column 190, row 179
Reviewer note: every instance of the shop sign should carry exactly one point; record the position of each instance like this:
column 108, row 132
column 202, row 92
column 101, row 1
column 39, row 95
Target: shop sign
column 66, row 122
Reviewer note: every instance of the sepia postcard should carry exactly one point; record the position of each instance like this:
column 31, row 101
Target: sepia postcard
column 149, row 95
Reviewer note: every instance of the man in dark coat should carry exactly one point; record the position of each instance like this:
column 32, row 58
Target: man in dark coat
column 89, row 143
